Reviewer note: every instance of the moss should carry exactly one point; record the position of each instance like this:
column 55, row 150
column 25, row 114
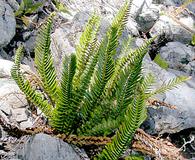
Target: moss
column 161, row 62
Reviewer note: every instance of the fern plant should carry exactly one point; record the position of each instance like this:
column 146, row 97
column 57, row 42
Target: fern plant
column 98, row 94
column 27, row 7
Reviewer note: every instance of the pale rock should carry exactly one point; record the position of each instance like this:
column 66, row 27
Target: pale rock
column 167, row 28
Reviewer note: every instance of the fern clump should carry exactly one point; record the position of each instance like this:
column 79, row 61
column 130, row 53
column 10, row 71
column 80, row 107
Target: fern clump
column 97, row 94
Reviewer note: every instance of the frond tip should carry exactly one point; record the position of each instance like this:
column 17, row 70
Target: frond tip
column 44, row 59
column 171, row 84
column 31, row 94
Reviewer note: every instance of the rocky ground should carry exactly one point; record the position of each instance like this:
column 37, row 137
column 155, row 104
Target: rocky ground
column 174, row 27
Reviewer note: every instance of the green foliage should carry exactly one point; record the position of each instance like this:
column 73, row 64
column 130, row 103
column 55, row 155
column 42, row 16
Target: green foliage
column 97, row 93
column 193, row 40
column 161, row 62
column 60, row 6
column 27, row 7
column 134, row 158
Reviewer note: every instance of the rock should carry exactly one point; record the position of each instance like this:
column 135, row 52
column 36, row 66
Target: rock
column 7, row 23
column 166, row 120
column 190, row 68
column 190, row 6
column 12, row 101
column 30, row 43
column 14, row 4
column 6, row 109
column 8, row 88
column 147, row 19
column 139, row 6
column 26, row 124
column 132, row 27
column 19, row 115
column 178, row 56
column 42, row 146
column 5, row 68
column 167, row 28
column 169, row 2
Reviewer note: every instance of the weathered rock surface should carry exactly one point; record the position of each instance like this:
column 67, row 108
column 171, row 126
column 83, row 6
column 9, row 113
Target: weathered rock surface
column 166, row 120
column 177, row 3
column 13, row 103
column 45, row 147
column 147, row 19
column 7, row 23
column 179, row 56
column 139, row 6
column 167, row 28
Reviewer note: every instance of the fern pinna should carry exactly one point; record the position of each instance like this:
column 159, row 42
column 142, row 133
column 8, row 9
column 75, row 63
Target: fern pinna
column 98, row 94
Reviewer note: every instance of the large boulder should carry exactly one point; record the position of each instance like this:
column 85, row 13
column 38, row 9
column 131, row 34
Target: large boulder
column 7, row 23
column 42, row 146
column 166, row 120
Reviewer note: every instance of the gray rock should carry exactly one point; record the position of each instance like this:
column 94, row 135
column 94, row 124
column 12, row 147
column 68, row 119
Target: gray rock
column 7, row 23
column 147, row 19
column 132, row 27
column 178, row 56
column 14, row 4
column 166, row 120
column 45, row 147
column 190, row 68
column 169, row 2
column 167, row 28
column 177, row 3
column 139, row 6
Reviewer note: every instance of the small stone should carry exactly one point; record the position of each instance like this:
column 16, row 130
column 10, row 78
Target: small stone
column 26, row 124
column 19, row 115
column 147, row 19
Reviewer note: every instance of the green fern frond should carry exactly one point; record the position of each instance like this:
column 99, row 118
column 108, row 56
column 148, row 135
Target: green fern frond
column 135, row 115
column 44, row 59
column 121, row 18
column 127, row 86
column 105, row 69
column 87, row 44
column 126, row 46
column 31, row 94
column 134, row 157
column 124, row 64
column 104, row 128
column 171, row 84
column 65, row 111
column 147, row 82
